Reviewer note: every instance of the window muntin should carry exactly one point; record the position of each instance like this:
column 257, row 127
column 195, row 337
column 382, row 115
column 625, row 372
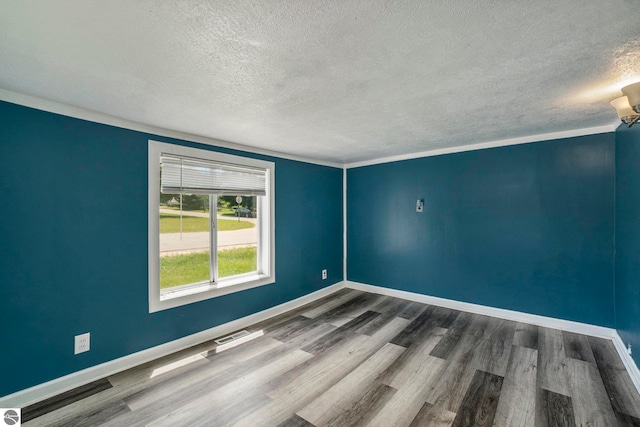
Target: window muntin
column 195, row 208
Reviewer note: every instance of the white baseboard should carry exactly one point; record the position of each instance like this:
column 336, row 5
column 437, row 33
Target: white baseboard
column 54, row 387
column 534, row 319
column 629, row 363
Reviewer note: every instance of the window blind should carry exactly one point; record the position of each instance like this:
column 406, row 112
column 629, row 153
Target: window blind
column 196, row 176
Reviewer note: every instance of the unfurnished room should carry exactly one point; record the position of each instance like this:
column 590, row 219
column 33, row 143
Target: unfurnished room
column 330, row 213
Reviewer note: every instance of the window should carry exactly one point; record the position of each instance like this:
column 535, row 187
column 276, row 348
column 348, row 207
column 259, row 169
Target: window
column 210, row 224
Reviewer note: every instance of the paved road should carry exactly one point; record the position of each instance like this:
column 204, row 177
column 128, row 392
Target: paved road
column 204, row 215
column 177, row 243
column 194, row 242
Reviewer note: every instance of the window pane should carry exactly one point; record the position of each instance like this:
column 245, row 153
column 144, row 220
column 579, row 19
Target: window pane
column 184, row 239
column 237, row 235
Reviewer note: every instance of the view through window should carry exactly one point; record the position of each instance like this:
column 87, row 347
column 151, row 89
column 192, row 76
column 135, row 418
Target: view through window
column 186, row 225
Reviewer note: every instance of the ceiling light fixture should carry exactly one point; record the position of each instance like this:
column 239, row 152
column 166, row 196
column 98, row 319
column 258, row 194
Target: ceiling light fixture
column 628, row 106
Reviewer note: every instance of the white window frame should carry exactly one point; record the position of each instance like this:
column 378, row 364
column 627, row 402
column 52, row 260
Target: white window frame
column 266, row 273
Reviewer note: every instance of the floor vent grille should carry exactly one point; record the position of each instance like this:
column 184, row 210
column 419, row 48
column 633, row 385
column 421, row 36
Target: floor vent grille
column 232, row 337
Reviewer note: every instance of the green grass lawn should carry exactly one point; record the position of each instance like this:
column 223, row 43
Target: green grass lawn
column 192, row 268
column 170, row 223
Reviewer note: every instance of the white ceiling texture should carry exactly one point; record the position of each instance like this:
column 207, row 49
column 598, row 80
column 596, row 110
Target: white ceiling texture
column 340, row 81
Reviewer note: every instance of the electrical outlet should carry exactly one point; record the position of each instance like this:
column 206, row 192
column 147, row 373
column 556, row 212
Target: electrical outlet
column 82, row 343
column 629, row 348
column 324, row 274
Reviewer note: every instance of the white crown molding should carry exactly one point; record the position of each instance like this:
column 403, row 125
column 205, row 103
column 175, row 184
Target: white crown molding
column 615, row 125
column 97, row 117
column 493, row 144
column 54, row 387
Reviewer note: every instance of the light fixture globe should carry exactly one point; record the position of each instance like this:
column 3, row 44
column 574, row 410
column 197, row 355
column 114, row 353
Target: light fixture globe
column 632, row 92
column 623, row 108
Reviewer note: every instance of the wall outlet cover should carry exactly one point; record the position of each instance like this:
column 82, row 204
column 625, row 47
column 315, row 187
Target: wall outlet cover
column 82, row 343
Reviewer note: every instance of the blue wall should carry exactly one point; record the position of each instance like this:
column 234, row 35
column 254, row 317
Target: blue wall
column 526, row 227
column 73, row 225
column 628, row 237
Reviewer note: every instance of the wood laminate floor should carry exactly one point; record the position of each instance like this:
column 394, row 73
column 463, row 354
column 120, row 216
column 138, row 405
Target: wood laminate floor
column 360, row 359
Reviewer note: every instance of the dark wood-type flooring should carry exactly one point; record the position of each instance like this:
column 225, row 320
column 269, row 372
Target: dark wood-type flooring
column 360, row 359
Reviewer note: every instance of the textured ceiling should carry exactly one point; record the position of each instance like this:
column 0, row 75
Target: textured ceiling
column 340, row 81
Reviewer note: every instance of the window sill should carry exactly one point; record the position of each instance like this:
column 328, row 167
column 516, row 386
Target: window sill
column 201, row 292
